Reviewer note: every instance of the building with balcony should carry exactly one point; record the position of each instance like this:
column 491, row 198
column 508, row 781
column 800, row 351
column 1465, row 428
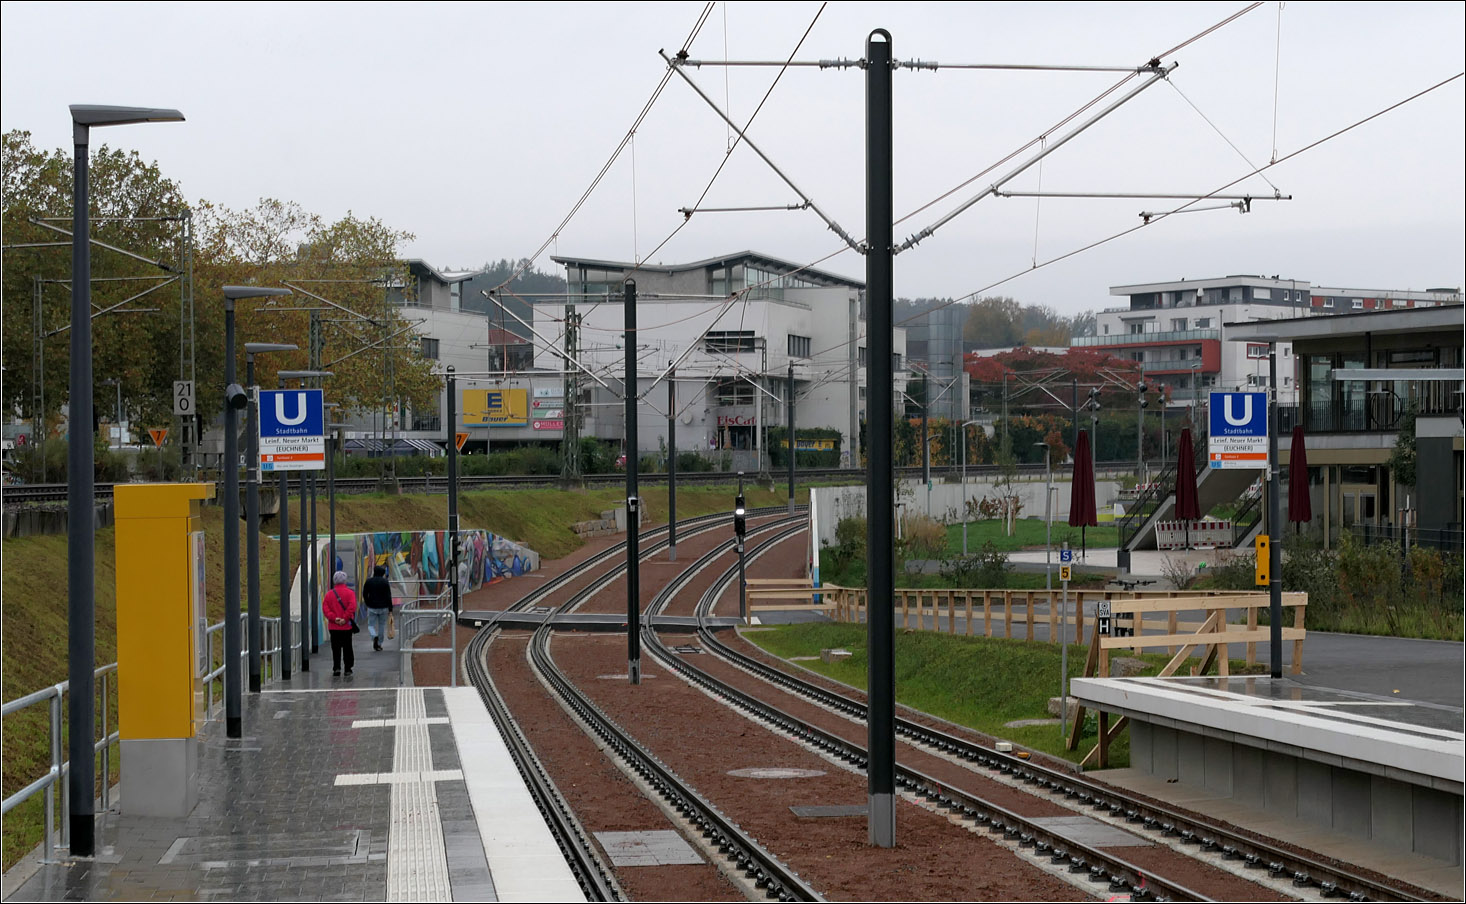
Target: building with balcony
column 1359, row 373
column 1174, row 330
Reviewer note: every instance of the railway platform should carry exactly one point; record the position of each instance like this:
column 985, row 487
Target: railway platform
column 1376, row 781
column 340, row 789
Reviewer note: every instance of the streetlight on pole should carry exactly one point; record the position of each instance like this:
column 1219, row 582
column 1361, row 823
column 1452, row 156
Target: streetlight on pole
column 1048, row 521
column 740, row 529
column 81, row 482
column 305, row 605
column 1140, row 389
column 965, row 425
column 252, row 502
column 235, row 398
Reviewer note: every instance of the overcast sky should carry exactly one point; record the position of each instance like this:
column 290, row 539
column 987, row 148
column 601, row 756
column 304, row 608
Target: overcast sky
column 476, row 127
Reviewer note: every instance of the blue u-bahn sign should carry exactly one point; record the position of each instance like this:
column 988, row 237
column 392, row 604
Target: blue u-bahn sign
column 292, row 430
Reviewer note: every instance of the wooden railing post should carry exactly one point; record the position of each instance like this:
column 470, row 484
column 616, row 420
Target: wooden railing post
column 1028, row 613
column 968, row 595
column 1252, row 626
column 1008, row 613
column 987, row 613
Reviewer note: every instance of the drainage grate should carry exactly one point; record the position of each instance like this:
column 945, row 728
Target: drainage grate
column 283, row 849
column 688, row 648
column 1084, row 830
column 656, row 848
column 830, row 812
column 775, row 772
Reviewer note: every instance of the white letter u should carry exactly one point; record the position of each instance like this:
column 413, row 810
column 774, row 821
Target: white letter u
column 1227, row 410
column 299, row 417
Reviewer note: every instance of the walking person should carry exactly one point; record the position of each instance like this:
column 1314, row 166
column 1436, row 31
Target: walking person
column 339, row 607
column 376, row 595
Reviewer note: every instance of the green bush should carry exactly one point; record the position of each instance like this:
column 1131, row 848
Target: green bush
column 986, row 568
column 596, row 457
column 692, row 461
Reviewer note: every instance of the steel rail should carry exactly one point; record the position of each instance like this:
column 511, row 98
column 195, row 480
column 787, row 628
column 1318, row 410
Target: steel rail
column 593, row 876
column 1101, row 866
column 56, row 492
column 736, row 846
column 1302, row 870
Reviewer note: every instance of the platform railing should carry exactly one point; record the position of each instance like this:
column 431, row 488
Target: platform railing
column 104, row 677
column 427, row 614
column 53, row 698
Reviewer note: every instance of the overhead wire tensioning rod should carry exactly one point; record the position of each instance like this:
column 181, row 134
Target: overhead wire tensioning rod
column 1158, row 73
column 930, row 65
column 834, row 226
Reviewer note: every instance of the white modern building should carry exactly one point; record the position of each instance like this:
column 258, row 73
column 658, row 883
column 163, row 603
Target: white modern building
column 725, row 333
column 1176, row 329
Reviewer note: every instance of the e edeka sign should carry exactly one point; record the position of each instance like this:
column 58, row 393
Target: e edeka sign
column 1238, row 436
column 292, row 430
column 496, row 407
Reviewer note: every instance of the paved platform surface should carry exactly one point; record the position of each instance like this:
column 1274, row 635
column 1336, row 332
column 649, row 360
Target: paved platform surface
column 340, row 790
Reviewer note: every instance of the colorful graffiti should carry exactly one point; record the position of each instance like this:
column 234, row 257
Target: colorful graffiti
column 418, row 562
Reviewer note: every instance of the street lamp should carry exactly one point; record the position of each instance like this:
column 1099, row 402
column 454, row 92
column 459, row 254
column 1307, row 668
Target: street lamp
column 252, row 502
column 235, row 398
column 965, row 425
column 740, row 529
column 305, row 605
column 81, row 481
column 1048, row 521
column 1140, row 389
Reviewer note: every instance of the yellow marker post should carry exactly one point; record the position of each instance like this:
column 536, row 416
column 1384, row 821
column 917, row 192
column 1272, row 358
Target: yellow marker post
column 162, row 653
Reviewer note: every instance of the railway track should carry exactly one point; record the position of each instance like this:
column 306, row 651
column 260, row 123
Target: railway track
column 56, row 492
column 1325, row 879
column 595, row 878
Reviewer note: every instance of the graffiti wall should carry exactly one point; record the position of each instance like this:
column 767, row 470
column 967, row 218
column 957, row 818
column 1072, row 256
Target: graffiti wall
column 418, row 562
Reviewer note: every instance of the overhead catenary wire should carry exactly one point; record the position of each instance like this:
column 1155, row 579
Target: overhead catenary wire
column 1157, row 73
column 615, row 154
column 1277, row 76
column 1230, row 143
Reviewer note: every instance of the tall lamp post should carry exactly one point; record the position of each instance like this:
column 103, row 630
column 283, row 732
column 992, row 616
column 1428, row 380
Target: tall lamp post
column 965, row 425
column 305, row 606
column 1140, row 390
column 235, row 398
column 252, row 504
column 1048, row 521
column 81, row 482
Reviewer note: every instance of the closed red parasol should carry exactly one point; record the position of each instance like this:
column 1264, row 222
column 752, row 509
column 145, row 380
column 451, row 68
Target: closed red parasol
column 1188, row 504
column 1300, row 506
column 1082, row 512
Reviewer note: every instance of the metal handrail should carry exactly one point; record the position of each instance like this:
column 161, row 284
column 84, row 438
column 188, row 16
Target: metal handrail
column 409, row 620
column 59, row 767
column 1138, row 514
column 1246, row 518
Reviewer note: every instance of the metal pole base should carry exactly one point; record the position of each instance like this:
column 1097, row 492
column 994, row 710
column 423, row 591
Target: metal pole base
column 254, row 684
column 234, row 727
column 672, row 553
column 83, row 834
column 883, row 820
column 633, row 671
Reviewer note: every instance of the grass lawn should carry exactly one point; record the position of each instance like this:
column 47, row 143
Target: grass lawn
column 1028, row 532
column 980, row 682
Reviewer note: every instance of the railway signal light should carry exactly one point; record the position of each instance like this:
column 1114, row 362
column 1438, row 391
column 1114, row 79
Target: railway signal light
column 740, row 517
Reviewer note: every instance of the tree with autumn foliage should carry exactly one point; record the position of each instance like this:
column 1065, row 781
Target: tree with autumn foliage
column 135, row 209
column 354, row 267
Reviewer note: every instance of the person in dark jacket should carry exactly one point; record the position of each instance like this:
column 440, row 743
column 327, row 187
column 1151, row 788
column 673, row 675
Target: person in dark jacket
column 376, row 593
column 339, row 607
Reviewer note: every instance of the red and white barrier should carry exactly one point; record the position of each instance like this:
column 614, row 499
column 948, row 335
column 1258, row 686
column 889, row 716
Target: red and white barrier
column 1204, row 534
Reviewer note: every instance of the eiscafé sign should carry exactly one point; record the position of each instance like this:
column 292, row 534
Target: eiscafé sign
column 737, row 420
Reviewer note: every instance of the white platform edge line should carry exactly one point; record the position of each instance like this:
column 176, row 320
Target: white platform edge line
column 530, row 868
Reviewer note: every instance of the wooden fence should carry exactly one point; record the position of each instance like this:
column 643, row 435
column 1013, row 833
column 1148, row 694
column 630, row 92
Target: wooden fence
column 993, row 613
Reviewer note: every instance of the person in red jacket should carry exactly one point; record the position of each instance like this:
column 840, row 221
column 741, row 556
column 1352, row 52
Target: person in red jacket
column 339, row 608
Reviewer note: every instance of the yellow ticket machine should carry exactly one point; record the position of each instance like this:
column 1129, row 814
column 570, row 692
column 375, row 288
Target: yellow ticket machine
column 162, row 653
